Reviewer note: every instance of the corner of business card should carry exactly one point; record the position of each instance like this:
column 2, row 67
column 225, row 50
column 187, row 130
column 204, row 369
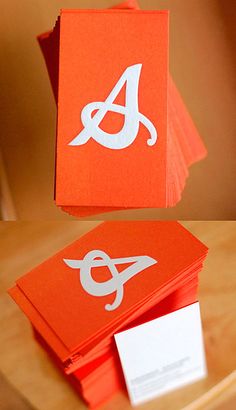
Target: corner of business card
column 163, row 354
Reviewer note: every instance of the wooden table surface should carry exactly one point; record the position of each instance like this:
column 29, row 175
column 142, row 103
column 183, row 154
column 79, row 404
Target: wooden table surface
column 202, row 63
column 27, row 376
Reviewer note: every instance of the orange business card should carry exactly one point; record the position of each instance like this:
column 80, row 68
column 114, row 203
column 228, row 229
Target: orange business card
column 115, row 124
column 102, row 277
column 112, row 108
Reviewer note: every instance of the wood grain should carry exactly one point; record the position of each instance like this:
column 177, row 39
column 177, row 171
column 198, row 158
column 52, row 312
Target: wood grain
column 25, row 244
column 202, row 62
column 220, row 397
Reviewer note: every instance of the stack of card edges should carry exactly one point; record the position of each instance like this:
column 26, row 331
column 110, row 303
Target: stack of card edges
column 117, row 276
column 124, row 137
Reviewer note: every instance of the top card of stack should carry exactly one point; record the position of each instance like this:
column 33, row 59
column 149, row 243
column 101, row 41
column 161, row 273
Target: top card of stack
column 80, row 297
column 124, row 137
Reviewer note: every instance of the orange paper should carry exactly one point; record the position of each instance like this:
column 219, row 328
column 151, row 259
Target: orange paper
column 90, row 177
column 119, row 275
column 52, row 293
column 111, row 177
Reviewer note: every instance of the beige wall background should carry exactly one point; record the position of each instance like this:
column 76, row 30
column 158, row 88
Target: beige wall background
column 202, row 62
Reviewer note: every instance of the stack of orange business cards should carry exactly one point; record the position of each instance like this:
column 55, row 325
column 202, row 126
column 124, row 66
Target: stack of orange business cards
column 124, row 137
column 119, row 275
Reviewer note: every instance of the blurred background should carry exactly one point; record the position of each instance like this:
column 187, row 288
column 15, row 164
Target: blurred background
column 29, row 380
column 202, row 62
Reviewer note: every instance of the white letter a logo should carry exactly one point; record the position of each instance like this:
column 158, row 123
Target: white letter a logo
column 133, row 117
column 98, row 258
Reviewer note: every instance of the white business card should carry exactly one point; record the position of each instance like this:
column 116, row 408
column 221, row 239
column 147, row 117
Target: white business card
column 163, row 354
